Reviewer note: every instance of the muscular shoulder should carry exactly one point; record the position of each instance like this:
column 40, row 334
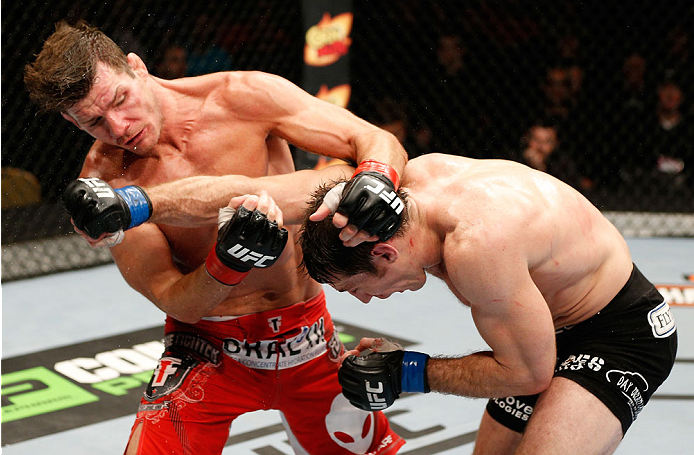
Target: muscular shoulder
column 259, row 95
column 103, row 161
column 483, row 203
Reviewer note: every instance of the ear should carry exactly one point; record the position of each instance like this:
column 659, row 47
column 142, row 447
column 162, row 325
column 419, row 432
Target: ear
column 384, row 252
column 70, row 119
column 137, row 65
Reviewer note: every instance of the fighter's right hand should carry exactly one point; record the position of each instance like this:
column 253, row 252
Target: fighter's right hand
column 249, row 239
column 97, row 209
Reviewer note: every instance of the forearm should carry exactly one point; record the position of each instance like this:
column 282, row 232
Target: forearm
column 191, row 297
column 381, row 146
column 478, row 375
column 196, row 201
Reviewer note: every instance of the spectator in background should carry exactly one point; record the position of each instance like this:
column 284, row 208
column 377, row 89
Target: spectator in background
column 540, row 149
column 561, row 88
column 671, row 139
column 633, row 90
column 452, row 107
column 205, row 53
column 566, row 105
column 678, row 59
column 393, row 117
column 173, row 63
column 622, row 136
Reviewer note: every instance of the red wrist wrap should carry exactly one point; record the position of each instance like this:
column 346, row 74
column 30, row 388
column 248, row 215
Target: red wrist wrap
column 383, row 168
column 221, row 272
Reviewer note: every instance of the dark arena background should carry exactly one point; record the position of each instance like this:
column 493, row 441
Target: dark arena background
column 597, row 93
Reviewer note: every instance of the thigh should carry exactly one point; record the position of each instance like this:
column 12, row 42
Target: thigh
column 190, row 403
column 493, row 438
column 568, row 419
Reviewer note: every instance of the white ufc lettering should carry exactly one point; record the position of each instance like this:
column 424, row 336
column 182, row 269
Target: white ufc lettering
column 100, row 187
column 389, row 196
column 375, row 401
column 244, row 254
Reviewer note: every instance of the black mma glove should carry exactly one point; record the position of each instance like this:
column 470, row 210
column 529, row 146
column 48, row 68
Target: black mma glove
column 96, row 208
column 373, row 382
column 370, row 202
column 247, row 240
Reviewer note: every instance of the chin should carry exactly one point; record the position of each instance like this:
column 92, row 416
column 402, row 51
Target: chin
column 418, row 286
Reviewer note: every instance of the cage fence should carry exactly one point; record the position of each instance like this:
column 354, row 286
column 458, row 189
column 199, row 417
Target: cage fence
column 598, row 94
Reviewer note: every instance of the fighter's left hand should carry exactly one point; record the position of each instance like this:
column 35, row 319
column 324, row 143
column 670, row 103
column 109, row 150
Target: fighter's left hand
column 373, row 382
column 367, row 207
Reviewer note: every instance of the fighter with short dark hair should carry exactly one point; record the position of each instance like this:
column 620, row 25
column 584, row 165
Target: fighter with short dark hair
column 579, row 339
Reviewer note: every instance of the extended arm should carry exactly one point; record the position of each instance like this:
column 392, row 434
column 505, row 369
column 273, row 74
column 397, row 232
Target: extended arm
column 196, row 201
column 366, row 208
column 99, row 210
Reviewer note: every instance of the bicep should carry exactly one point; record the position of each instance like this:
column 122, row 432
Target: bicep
column 305, row 120
column 510, row 312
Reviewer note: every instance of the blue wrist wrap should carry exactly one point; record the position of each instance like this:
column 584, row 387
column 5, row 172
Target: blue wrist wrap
column 138, row 203
column 414, row 370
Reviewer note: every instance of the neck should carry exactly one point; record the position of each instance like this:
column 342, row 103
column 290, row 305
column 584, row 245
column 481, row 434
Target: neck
column 421, row 239
column 177, row 114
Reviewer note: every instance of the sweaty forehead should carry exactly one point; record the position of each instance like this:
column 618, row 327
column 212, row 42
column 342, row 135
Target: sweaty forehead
column 101, row 94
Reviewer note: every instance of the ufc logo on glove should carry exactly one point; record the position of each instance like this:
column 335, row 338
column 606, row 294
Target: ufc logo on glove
column 389, row 196
column 245, row 255
column 101, row 188
column 376, row 402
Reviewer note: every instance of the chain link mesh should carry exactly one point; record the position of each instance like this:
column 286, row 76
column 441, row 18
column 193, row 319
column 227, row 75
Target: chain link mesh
column 597, row 93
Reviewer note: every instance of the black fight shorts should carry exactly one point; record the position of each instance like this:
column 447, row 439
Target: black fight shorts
column 621, row 355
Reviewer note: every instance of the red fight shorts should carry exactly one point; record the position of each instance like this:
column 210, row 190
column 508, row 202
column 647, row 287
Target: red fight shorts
column 286, row 359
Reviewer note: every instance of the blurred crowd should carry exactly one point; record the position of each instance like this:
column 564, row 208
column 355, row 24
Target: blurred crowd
column 596, row 95
column 615, row 124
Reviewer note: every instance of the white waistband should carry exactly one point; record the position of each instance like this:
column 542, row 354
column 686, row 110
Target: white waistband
column 221, row 318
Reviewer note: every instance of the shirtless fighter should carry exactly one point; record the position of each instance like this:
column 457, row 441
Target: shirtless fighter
column 578, row 335
column 239, row 338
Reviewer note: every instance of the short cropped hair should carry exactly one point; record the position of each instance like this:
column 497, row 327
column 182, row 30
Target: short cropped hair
column 324, row 255
column 64, row 71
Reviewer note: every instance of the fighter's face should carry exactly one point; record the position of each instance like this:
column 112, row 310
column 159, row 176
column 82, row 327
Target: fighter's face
column 382, row 285
column 119, row 110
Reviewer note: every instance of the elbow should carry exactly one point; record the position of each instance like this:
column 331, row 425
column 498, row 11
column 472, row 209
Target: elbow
column 537, row 381
column 186, row 318
column 185, row 315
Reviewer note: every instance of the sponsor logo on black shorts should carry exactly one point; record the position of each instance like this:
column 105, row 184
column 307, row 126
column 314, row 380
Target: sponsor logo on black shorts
column 515, row 407
column 661, row 321
column 632, row 385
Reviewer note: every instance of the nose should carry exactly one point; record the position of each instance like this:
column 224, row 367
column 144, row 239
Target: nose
column 365, row 298
column 118, row 127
